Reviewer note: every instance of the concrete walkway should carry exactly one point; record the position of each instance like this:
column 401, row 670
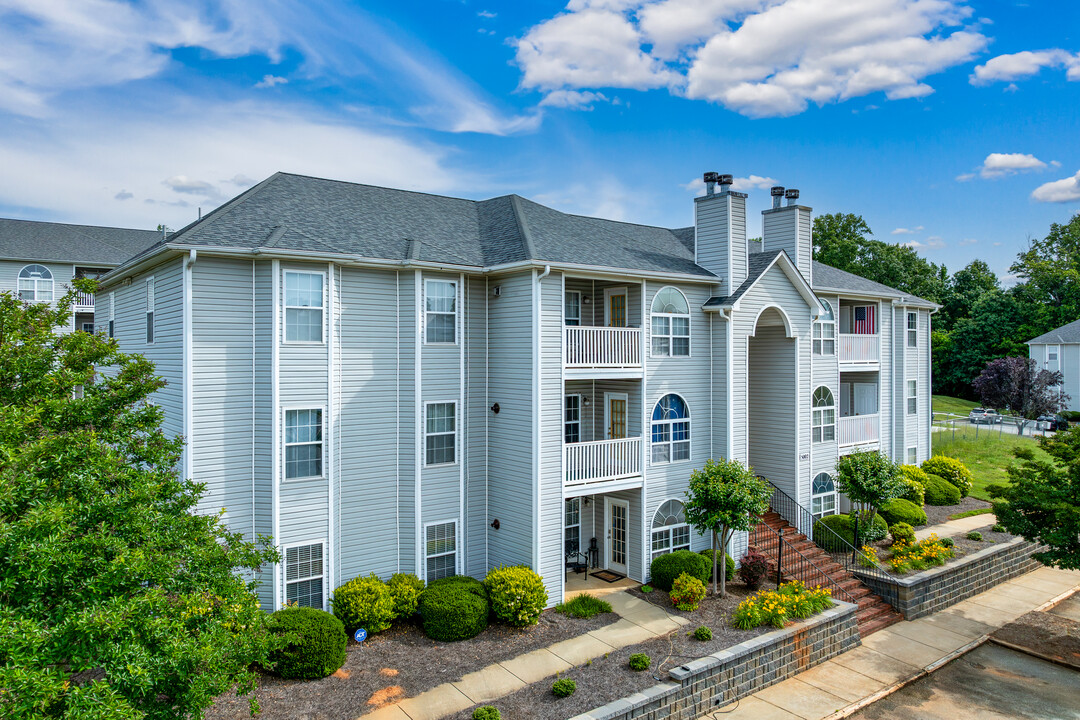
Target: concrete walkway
column 961, row 526
column 900, row 653
column 639, row 621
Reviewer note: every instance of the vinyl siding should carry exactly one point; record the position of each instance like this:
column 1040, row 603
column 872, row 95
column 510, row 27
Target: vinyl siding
column 408, row 330
column 62, row 275
column 773, row 414
column 1068, row 364
column 551, row 437
column 264, row 413
column 479, row 417
column 717, row 219
column 825, row 370
column 789, row 229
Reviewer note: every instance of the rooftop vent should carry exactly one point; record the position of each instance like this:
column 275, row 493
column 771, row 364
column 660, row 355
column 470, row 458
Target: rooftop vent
column 792, row 195
column 710, row 182
column 725, row 182
column 777, row 192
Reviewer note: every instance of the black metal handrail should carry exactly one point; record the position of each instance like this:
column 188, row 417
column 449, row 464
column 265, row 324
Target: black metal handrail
column 796, row 566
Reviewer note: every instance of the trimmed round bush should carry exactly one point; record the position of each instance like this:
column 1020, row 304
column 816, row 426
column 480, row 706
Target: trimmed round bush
column 902, row 533
column 913, row 473
column 667, row 567
column 639, row 662
column 951, row 471
column 899, row 510
column 364, row 602
column 941, row 492
column 914, row 491
column 486, row 712
column 703, row 634
column 974, row 535
column 563, row 687
column 998, row 527
column 316, row 643
column 454, row 608
column 405, row 589
column 729, row 564
column 687, row 593
column 947, row 542
column 844, row 526
column 517, row 595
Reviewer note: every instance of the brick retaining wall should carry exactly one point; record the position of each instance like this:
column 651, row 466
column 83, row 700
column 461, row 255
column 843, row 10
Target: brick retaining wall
column 725, row 676
column 935, row 589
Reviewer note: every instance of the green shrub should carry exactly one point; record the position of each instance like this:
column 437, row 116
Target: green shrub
column 913, row 491
column 563, row 687
column 703, row 634
column 947, row 542
column 486, row 712
column 913, row 473
column 687, row 593
column 583, row 606
column 646, row 588
column 753, row 566
column 902, row 532
column 941, row 492
column 729, row 564
column 516, row 594
column 454, row 608
column 791, row 601
column 405, row 589
column 899, row 510
column 951, row 471
column 316, row 643
column 639, row 662
column 666, row 568
column 998, row 527
column 844, row 526
column 974, row 535
column 364, row 602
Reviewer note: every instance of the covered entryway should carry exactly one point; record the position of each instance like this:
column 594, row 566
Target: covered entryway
column 772, row 401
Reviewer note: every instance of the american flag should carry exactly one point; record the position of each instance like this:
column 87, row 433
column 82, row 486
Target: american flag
column 864, row 320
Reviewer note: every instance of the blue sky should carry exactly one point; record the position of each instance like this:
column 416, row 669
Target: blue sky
column 950, row 125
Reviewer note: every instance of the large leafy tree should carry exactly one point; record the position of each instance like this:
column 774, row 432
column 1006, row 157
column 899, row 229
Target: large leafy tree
column 1042, row 500
column 1020, row 386
column 990, row 331
column 963, row 290
column 1049, row 271
column 725, row 496
column 869, row 479
column 117, row 600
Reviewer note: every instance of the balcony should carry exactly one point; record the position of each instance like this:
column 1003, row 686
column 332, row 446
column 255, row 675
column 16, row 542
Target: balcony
column 83, row 301
column 860, row 350
column 858, row 430
column 603, row 462
column 602, row 351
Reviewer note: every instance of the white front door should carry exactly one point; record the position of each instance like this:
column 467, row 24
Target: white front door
column 866, row 402
column 618, row 537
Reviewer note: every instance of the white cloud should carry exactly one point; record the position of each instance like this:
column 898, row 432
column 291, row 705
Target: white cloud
column 757, row 57
column 270, row 81
column 1021, row 65
column 487, row 14
column 997, row 165
column 605, row 197
column 968, row 241
column 965, row 177
column 753, row 182
column 241, row 180
column 189, row 186
column 573, row 99
column 123, row 195
column 907, row 231
column 932, row 243
column 1059, row 191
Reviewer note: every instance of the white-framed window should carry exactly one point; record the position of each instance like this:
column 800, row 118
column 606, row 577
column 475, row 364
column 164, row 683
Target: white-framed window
column 572, row 525
column 112, row 314
column 440, row 550
column 304, row 576
column 912, row 329
column 440, row 433
column 913, row 456
column 572, row 419
column 822, row 496
column 1051, row 355
column 303, row 306
column 303, row 443
column 823, row 416
column 912, row 397
column 149, row 310
column 36, row 284
column 670, row 324
column 670, row 531
column 572, row 309
column 824, row 341
column 440, row 312
column 670, row 430
column 88, row 327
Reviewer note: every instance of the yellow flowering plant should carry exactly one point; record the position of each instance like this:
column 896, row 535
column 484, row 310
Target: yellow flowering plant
column 791, row 601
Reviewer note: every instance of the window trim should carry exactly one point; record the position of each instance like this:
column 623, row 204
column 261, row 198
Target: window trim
column 83, row 327
column 567, row 501
column 912, row 332
column 835, row 510
column 285, row 569
column 566, row 422
column 670, row 443
column 669, row 531
column 19, row 279
column 112, row 314
column 819, row 425
column 285, row 409
column 285, row 307
column 151, row 305
column 818, row 338
column 457, row 437
column 426, row 313
column 912, row 395
column 670, row 335
column 455, row 552
column 913, row 450
column 566, row 317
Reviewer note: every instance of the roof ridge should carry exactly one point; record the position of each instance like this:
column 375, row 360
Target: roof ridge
column 75, row 225
column 382, row 187
column 209, row 218
column 593, row 217
column 526, row 236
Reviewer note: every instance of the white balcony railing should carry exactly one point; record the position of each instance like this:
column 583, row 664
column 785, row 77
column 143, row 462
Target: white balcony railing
column 859, row 349
column 594, row 462
column 84, row 300
column 605, row 347
column 859, row 429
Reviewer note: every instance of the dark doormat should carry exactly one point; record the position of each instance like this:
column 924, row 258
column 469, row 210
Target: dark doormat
column 607, row 576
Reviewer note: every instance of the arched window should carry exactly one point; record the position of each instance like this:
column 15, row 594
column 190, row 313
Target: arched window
column 823, row 496
column 825, row 332
column 670, row 324
column 824, row 416
column 36, row 284
column 670, row 430
column 669, row 529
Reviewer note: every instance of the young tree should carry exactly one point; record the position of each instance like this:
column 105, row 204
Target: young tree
column 1042, row 500
column 1018, row 385
column 117, row 600
column 725, row 496
column 869, row 479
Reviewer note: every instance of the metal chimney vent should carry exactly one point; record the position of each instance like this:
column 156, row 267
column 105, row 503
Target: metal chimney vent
column 792, row 195
column 725, row 181
column 777, row 192
column 710, row 182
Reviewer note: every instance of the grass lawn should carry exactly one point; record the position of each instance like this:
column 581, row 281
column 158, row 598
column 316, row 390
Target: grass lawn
column 986, row 457
column 956, row 406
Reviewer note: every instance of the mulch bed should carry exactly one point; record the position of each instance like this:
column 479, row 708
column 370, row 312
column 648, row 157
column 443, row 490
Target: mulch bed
column 398, row 663
column 1045, row 635
column 937, row 514
column 610, row 678
column 961, row 546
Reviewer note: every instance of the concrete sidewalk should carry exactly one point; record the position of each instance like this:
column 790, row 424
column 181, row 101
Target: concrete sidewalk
column 900, row 653
column 960, row 526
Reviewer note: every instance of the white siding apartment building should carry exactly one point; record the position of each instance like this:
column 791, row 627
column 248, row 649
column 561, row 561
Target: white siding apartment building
column 1059, row 350
column 389, row 381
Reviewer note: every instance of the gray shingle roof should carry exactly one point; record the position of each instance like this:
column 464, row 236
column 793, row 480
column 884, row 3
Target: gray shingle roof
column 756, row 264
column 60, row 242
column 1069, row 333
column 826, row 277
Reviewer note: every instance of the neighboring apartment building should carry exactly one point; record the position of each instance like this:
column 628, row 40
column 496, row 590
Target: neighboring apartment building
column 38, row 260
column 389, row 381
column 1060, row 350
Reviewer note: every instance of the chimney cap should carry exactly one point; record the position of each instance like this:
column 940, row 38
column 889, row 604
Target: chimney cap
column 777, row 191
column 726, row 179
column 711, row 177
column 791, row 194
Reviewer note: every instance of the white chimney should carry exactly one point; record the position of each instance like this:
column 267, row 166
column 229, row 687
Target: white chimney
column 720, row 232
column 790, row 229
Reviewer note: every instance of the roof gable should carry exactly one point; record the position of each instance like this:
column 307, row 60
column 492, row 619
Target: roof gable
column 1064, row 335
column 758, row 264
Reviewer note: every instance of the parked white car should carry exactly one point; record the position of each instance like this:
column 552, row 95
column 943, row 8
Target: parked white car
column 984, row 416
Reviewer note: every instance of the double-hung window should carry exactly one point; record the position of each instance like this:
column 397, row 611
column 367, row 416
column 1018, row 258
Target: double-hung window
column 112, row 314
column 912, row 329
column 149, row 311
column 304, row 575
column 670, row 532
column 912, row 398
column 572, row 309
column 303, row 444
column 670, row 324
column 303, row 307
column 440, row 311
column 824, row 340
column 823, row 416
column 440, row 438
column 572, row 420
column 572, row 525
column 913, row 456
column 441, row 550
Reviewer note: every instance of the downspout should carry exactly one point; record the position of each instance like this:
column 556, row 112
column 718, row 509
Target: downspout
column 187, row 360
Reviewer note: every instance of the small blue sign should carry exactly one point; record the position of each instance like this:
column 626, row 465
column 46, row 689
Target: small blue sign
column 361, row 635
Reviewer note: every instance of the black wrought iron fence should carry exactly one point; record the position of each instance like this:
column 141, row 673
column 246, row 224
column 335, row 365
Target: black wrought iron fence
column 793, row 564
